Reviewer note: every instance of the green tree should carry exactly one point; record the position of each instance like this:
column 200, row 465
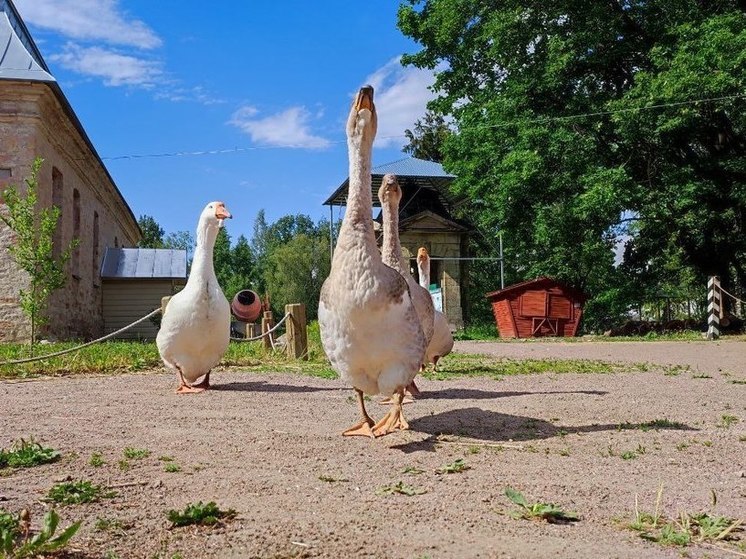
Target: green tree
column 152, row 232
column 242, row 268
column 551, row 149
column 426, row 140
column 222, row 258
column 182, row 240
column 32, row 251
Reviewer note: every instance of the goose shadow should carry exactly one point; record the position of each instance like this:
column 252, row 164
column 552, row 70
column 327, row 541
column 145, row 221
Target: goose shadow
column 486, row 425
column 263, row 386
column 475, row 394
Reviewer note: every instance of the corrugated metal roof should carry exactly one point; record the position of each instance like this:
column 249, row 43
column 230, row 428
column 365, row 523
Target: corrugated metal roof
column 19, row 57
column 418, row 173
column 138, row 263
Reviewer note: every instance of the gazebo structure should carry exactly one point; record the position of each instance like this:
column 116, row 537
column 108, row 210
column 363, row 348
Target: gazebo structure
column 425, row 219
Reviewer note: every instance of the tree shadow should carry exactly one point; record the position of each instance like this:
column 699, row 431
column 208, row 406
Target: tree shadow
column 263, row 386
column 475, row 394
column 491, row 426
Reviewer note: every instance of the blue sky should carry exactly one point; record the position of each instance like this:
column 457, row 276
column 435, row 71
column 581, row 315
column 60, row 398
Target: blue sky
column 273, row 79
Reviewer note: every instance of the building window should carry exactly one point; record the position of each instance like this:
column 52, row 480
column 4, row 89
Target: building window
column 76, row 233
column 57, row 201
column 5, row 173
column 95, row 272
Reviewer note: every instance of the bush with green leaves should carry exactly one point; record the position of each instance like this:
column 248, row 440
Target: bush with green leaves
column 16, row 543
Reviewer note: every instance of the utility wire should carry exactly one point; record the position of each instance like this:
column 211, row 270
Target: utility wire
column 478, row 127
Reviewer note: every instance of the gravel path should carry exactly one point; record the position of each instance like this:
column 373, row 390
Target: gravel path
column 268, row 445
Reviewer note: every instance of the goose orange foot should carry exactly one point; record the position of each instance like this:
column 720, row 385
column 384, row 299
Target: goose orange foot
column 394, row 419
column 205, row 384
column 365, row 427
column 186, row 388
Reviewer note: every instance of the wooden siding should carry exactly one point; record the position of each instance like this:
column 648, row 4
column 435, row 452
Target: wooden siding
column 504, row 319
column 127, row 300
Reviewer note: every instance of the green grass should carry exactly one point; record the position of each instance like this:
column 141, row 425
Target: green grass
column 726, row 421
column 96, row 460
column 26, row 454
column 399, row 488
column 172, row 468
column 15, row 545
column 477, row 332
column 201, row 514
column 135, row 453
column 538, row 511
column 455, row 467
column 77, row 492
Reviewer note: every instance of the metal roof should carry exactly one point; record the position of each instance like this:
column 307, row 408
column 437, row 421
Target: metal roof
column 21, row 60
column 148, row 263
column 411, row 171
column 19, row 57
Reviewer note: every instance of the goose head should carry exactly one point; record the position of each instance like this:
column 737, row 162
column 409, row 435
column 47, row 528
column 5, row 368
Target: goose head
column 214, row 214
column 390, row 193
column 422, row 256
column 362, row 123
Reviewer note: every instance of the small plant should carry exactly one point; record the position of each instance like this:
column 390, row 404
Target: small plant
column 124, row 465
column 401, row 488
column 110, row 525
column 76, row 492
column 412, row 470
column 538, row 511
column 473, row 449
column 15, row 542
column 97, row 460
column 166, row 458
column 202, row 514
column 171, row 467
column 26, row 454
column 727, row 420
column 330, row 479
column 628, row 455
column 564, row 452
column 136, row 453
column 455, row 467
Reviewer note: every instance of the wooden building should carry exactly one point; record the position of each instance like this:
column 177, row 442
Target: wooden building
column 134, row 280
column 426, row 218
column 539, row 307
column 36, row 120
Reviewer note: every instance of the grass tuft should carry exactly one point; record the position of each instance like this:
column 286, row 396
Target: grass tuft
column 400, row 488
column 455, row 467
column 136, row 453
column 538, row 511
column 200, row 514
column 77, row 492
column 26, row 454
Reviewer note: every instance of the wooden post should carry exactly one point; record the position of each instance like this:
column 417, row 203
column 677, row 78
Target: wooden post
column 297, row 337
column 250, row 330
column 164, row 304
column 713, row 308
column 267, row 324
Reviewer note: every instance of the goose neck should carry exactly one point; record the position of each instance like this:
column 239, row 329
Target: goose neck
column 424, row 270
column 203, row 267
column 391, row 248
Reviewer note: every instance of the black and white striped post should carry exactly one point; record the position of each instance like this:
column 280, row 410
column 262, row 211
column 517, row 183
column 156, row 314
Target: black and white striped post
column 714, row 305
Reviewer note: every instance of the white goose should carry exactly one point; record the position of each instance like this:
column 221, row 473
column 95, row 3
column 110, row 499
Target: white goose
column 390, row 195
column 369, row 326
column 441, row 343
column 195, row 329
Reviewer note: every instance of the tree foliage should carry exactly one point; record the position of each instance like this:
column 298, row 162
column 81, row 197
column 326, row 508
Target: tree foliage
column 426, row 140
column 33, row 251
column 152, row 232
column 570, row 115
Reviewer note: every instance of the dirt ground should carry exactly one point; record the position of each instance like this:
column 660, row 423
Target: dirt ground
column 269, row 446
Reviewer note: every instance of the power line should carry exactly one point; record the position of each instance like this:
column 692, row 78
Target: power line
column 478, row 127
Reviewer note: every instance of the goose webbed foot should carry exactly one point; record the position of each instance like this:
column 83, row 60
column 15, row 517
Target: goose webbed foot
column 205, row 384
column 394, row 419
column 186, row 388
column 365, row 427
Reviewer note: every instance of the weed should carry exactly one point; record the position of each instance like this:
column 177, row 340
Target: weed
column 110, row 525
column 166, row 458
column 702, row 375
column 454, row 467
column 401, row 488
column 96, row 460
column 171, row 467
column 708, row 444
column 727, row 420
column 628, row 455
column 737, row 381
column 538, row 511
column 202, row 514
column 564, row 452
column 682, row 446
column 76, row 492
column 330, row 479
column 136, row 453
column 473, row 449
column 15, row 542
column 413, row 471
column 26, row 454
column 124, row 465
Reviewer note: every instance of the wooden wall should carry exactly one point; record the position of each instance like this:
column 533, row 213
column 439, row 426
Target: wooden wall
column 125, row 301
column 538, row 311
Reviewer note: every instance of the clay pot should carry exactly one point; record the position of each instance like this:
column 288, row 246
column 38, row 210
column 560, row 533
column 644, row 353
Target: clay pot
column 246, row 306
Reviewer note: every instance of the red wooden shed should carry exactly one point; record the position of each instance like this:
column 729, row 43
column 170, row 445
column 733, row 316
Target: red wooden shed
column 539, row 307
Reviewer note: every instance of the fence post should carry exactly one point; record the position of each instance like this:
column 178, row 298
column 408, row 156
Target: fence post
column 713, row 308
column 250, row 330
column 297, row 338
column 267, row 324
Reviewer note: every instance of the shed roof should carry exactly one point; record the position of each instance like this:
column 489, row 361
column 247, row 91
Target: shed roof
column 412, row 171
column 144, row 263
column 21, row 60
column 541, row 281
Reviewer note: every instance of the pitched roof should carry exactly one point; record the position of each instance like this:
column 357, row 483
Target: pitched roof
column 144, row 263
column 21, row 60
column 417, row 173
column 541, row 281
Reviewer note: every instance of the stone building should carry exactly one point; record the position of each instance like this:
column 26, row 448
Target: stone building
column 36, row 120
column 425, row 219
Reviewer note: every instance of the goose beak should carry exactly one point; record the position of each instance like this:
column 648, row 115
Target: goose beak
column 364, row 98
column 222, row 213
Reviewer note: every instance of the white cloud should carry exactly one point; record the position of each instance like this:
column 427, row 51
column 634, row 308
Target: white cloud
column 289, row 128
column 92, row 20
column 181, row 94
column 114, row 68
column 402, row 94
